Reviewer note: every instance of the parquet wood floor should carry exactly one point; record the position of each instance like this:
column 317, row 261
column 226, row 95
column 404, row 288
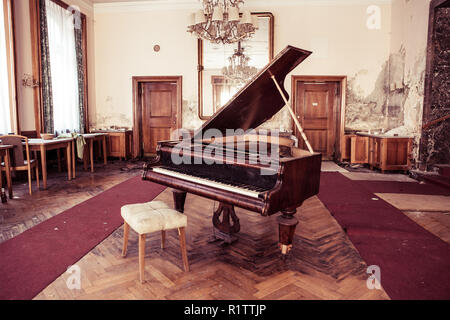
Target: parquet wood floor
column 438, row 223
column 322, row 265
column 25, row 211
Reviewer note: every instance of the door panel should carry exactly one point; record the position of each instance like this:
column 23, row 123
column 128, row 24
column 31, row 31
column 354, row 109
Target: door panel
column 159, row 113
column 316, row 109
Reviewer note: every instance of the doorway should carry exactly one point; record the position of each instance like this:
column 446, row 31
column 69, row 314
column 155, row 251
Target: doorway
column 317, row 103
column 156, row 111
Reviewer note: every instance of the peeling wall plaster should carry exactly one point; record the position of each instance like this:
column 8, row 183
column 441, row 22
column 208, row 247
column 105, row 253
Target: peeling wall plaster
column 364, row 112
column 111, row 118
column 407, row 63
column 190, row 119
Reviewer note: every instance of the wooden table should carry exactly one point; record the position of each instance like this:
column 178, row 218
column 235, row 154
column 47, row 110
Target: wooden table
column 43, row 146
column 90, row 138
column 4, row 153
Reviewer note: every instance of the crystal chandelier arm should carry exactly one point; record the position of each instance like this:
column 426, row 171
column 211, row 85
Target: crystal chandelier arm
column 218, row 28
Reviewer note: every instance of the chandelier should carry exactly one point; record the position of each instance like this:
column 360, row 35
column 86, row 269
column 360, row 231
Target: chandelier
column 238, row 72
column 220, row 22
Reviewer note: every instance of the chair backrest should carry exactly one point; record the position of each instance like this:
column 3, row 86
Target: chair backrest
column 17, row 158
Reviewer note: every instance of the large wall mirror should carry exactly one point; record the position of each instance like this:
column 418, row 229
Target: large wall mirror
column 214, row 89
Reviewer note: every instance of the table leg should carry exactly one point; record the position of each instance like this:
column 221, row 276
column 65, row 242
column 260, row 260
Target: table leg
column 69, row 162
column 8, row 174
column 105, row 155
column 44, row 166
column 85, row 158
column 58, row 153
column 99, row 150
column 91, row 153
column 74, row 159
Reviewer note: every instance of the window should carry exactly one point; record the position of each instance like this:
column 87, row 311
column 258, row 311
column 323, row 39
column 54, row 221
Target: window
column 63, row 66
column 59, row 61
column 7, row 86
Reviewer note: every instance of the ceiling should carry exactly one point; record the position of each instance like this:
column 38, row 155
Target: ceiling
column 106, row 1
column 184, row 1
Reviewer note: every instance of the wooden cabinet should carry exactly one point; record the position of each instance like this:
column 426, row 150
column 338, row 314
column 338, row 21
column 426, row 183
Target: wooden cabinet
column 381, row 151
column 346, row 144
column 390, row 153
column 359, row 149
column 119, row 143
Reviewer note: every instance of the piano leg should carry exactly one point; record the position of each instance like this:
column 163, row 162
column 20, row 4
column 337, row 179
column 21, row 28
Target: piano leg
column 179, row 198
column 286, row 227
column 224, row 230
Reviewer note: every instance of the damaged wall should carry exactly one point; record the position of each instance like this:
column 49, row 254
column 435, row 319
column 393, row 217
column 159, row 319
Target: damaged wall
column 384, row 66
column 396, row 102
column 125, row 34
column 407, row 69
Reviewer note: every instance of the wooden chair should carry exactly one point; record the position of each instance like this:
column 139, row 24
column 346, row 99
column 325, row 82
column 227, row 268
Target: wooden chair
column 149, row 217
column 18, row 161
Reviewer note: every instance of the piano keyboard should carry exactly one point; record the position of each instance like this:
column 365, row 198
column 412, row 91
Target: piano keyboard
column 207, row 182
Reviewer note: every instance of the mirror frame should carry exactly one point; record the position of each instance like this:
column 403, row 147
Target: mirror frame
column 200, row 66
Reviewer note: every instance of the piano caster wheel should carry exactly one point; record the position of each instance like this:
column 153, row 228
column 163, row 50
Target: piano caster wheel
column 286, row 228
column 285, row 248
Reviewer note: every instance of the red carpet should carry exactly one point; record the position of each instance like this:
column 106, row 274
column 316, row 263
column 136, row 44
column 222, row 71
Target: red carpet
column 36, row 257
column 404, row 187
column 414, row 263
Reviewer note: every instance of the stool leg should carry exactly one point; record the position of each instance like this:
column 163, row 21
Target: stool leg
column 163, row 238
column 141, row 257
column 182, row 234
column 126, row 232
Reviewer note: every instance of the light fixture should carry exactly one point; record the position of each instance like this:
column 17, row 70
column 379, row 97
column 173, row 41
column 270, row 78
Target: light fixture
column 221, row 22
column 29, row 81
column 238, row 72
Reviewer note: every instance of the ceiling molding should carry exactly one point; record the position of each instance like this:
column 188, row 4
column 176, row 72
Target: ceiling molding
column 154, row 5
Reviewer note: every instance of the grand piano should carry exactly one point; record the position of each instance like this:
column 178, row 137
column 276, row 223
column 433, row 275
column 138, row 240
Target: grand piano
column 228, row 162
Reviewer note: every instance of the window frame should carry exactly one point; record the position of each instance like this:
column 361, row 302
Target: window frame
column 8, row 6
column 35, row 25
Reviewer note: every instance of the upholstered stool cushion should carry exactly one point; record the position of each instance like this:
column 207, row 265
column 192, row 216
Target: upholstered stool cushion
column 152, row 216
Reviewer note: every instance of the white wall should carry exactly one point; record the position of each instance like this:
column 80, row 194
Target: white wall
column 23, row 64
column 125, row 34
column 124, row 48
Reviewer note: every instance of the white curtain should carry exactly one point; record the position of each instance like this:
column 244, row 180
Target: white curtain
column 63, row 66
column 5, row 111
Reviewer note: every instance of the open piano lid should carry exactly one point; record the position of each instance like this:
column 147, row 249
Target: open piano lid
column 259, row 100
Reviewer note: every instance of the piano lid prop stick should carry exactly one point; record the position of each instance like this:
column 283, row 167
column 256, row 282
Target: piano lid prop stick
column 299, row 127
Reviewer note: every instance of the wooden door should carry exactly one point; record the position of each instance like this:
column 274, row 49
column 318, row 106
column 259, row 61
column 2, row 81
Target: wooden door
column 316, row 107
column 159, row 113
